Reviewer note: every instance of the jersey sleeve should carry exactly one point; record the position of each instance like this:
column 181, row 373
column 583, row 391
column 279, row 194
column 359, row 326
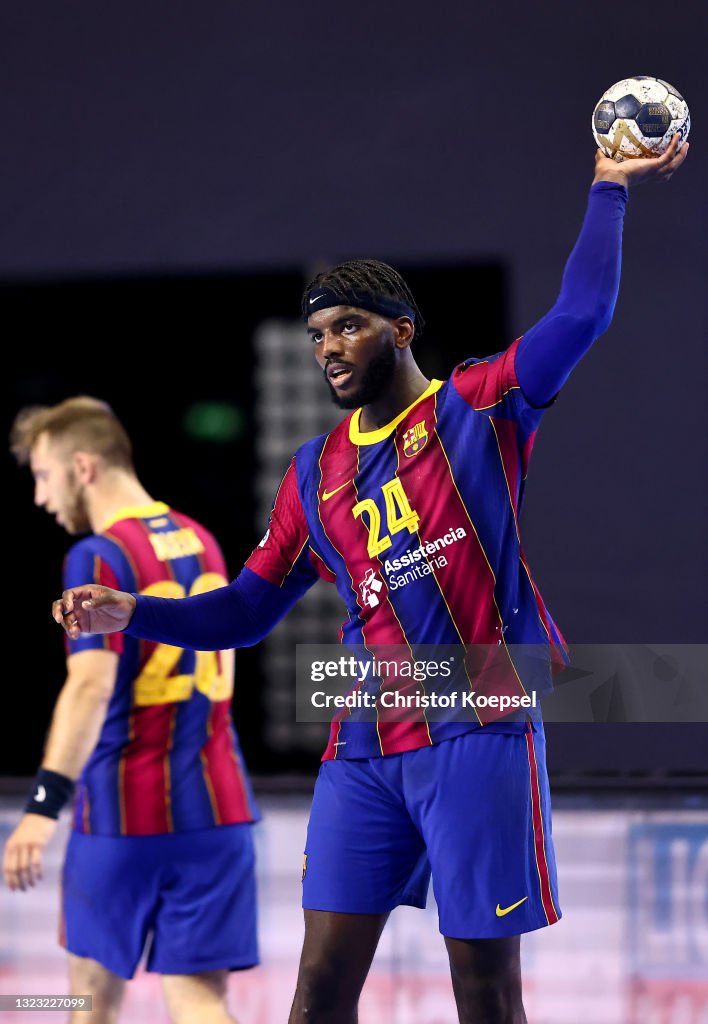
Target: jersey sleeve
column 87, row 562
column 491, row 386
column 284, row 554
column 238, row 615
column 522, row 382
column 549, row 351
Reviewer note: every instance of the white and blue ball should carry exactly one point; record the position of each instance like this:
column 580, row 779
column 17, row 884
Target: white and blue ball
column 638, row 117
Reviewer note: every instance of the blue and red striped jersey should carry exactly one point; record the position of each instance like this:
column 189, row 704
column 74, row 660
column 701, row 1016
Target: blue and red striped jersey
column 417, row 525
column 168, row 758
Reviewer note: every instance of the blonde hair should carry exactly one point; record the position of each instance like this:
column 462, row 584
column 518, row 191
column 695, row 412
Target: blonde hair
column 79, row 424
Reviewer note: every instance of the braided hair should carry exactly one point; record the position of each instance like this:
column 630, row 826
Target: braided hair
column 373, row 277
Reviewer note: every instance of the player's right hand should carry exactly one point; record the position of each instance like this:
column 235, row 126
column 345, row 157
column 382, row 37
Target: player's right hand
column 22, row 863
column 93, row 609
column 640, row 170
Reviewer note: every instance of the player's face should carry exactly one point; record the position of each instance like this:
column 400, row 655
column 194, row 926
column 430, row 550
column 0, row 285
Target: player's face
column 56, row 488
column 356, row 351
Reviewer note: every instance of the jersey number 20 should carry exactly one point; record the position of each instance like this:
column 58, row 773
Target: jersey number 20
column 159, row 683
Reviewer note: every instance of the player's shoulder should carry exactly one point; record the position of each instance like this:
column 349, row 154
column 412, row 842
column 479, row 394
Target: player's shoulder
column 85, row 556
column 484, row 382
column 309, row 452
column 476, row 368
column 93, row 545
column 483, row 362
column 334, row 439
column 304, row 473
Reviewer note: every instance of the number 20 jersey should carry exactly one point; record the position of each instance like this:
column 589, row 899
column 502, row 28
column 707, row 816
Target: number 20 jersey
column 168, row 758
column 417, row 524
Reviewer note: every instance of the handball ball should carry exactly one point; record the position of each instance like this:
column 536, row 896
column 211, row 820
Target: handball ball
column 638, row 117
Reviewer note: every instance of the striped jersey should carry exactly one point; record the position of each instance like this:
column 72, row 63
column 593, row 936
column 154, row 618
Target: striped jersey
column 417, row 525
column 168, row 758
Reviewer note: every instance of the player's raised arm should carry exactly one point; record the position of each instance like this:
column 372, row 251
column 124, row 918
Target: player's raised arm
column 548, row 352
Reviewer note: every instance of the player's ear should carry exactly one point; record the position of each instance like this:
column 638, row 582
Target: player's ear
column 85, row 467
column 405, row 331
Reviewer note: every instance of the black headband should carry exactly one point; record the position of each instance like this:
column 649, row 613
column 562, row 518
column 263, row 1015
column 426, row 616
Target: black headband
column 324, row 298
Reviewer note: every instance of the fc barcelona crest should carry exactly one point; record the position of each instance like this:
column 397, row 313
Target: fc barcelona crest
column 415, row 439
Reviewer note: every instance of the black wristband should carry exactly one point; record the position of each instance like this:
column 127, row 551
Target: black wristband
column 50, row 792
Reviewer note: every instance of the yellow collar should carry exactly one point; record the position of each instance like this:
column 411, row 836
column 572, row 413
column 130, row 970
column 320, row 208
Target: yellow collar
column 357, row 436
column 158, row 508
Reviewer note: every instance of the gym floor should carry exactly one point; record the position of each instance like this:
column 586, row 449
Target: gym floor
column 632, row 947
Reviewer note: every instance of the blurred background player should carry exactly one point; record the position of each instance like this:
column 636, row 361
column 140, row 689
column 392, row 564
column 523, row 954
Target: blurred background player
column 161, row 846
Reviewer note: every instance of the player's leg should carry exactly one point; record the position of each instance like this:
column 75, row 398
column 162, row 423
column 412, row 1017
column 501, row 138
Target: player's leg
column 486, row 980
column 336, row 957
column 109, row 890
column 205, row 924
column 197, row 997
column 88, row 977
column 363, row 857
column 482, row 805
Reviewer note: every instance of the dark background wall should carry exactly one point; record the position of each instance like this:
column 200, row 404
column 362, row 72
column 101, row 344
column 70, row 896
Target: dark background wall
column 227, row 139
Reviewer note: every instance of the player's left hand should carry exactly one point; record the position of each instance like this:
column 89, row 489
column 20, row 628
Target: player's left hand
column 22, row 863
column 637, row 172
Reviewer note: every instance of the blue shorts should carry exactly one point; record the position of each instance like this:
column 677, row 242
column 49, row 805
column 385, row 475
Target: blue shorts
column 473, row 810
column 193, row 894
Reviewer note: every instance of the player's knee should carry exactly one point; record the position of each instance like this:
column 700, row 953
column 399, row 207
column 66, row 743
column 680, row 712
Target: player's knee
column 188, row 1013
column 324, row 985
column 492, row 995
column 197, row 997
column 492, row 998
column 105, row 987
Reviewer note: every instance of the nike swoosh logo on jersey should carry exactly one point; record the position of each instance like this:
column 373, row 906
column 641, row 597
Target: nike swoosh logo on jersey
column 508, row 910
column 326, row 495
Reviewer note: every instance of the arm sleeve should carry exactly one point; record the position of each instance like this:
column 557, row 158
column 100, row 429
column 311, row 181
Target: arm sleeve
column 548, row 352
column 275, row 576
column 235, row 616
